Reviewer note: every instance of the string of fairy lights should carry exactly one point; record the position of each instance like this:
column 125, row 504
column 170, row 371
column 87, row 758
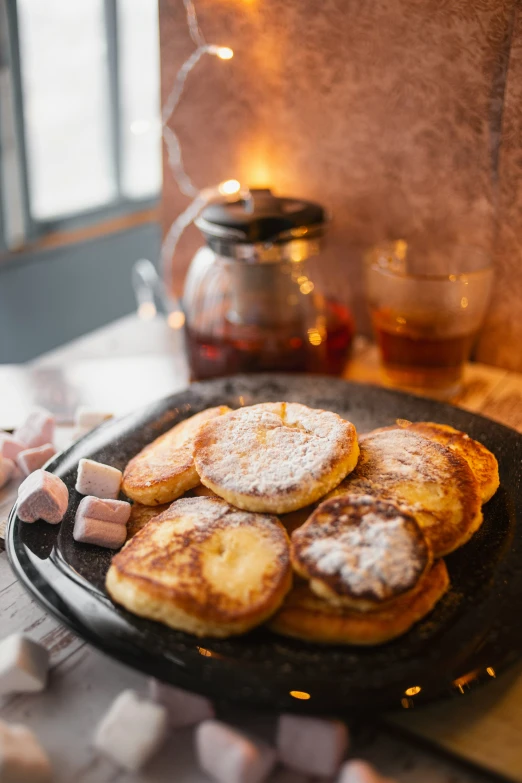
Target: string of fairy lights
column 199, row 198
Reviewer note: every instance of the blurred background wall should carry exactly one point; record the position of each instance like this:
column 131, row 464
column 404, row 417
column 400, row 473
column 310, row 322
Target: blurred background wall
column 403, row 117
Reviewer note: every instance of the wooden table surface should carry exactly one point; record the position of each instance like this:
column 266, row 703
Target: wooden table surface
column 127, row 364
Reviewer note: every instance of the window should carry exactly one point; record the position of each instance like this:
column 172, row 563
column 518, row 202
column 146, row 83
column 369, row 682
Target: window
column 80, row 132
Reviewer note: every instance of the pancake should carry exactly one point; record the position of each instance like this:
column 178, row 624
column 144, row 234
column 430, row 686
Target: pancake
column 140, row 515
column 360, row 552
column 275, row 457
column 164, row 470
column 306, row 616
column 482, row 462
column 205, row 568
column 433, row 482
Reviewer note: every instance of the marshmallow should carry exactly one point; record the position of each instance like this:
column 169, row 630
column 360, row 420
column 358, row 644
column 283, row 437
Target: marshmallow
column 131, row 731
column 357, row 771
column 95, row 478
column 184, row 708
column 7, row 469
column 102, row 522
column 88, row 418
column 31, row 459
column 229, row 756
column 37, row 429
column 42, row 495
column 22, row 759
column 9, row 446
column 311, row 745
column 23, row 665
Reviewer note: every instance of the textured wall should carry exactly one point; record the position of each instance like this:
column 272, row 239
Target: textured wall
column 387, row 111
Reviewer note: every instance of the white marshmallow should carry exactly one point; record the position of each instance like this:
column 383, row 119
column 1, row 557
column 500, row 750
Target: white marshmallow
column 97, row 479
column 229, row 756
column 88, row 418
column 37, row 429
column 23, row 665
column 30, row 460
column 102, row 522
column 184, row 708
column 131, row 731
column 7, row 469
column 42, row 495
column 22, row 758
column 311, row 745
column 9, row 446
column 358, row 771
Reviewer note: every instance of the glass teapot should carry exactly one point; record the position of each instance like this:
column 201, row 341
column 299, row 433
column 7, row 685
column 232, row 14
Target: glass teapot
column 252, row 301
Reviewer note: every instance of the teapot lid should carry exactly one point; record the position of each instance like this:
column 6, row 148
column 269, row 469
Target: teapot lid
column 261, row 217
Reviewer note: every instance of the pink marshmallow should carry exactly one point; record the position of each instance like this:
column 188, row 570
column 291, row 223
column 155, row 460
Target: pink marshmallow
column 7, row 469
column 102, row 522
column 311, row 745
column 9, row 446
column 184, row 708
column 357, row 771
column 42, row 496
column 117, row 511
column 37, row 429
column 229, row 756
column 30, row 460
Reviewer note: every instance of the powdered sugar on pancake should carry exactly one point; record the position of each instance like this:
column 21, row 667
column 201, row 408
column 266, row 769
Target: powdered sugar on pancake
column 376, row 557
column 206, row 512
column 273, row 448
column 359, row 548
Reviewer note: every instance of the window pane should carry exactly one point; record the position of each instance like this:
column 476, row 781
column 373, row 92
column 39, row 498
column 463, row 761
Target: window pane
column 138, row 39
column 63, row 52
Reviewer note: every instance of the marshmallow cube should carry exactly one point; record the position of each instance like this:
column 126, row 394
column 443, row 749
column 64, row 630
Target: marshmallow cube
column 311, row 745
column 22, row 759
column 37, row 430
column 229, row 756
column 89, row 418
column 97, row 479
column 7, row 469
column 31, row 459
column 358, row 771
column 131, row 731
column 42, row 495
column 102, row 522
column 23, row 665
column 183, row 708
column 10, row 447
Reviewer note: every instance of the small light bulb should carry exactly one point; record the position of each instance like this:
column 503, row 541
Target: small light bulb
column 225, row 53
column 229, row 187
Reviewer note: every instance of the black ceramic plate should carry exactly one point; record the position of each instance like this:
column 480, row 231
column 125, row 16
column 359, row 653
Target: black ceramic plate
column 474, row 628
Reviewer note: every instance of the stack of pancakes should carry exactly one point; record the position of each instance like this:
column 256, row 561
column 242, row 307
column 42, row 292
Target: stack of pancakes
column 278, row 513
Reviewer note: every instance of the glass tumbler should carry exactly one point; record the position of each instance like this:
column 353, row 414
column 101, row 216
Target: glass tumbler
column 426, row 309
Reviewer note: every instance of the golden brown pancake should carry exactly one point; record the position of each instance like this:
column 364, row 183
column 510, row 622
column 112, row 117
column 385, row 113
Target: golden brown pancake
column 482, row 462
column 141, row 515
column 360, row 552
column 205, row 568
column 432, row 481
column 275, row 457
column 164, row 469
column 306, row 616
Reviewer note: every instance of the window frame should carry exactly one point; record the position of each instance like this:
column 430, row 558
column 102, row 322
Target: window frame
column 120, row 205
